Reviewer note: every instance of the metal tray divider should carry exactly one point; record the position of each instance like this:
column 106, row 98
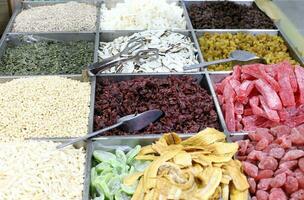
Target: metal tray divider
column 186, row 15
column 9, row 26
column 217, row 104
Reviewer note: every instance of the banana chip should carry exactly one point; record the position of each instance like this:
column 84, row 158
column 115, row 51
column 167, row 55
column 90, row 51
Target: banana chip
column 199, row 168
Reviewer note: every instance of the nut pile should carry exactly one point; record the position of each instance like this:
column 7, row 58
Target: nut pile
column 175, row 51
column 43, row 107
column 47, row 57
column 69, row 17
column 218, row 46
column 228, row 15
column 142, row 14
column 37, row 170
column 187, row 107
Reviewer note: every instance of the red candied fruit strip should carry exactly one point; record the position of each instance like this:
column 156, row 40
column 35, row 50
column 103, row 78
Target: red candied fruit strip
column 286, row 92
column 299, row 71
column 271, row 97
column 270, row 114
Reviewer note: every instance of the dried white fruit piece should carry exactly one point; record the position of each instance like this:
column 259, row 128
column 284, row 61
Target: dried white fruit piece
column 175, row 51
column 143, row 14
column 48, row 106
column 37, row 170
column 69, row 17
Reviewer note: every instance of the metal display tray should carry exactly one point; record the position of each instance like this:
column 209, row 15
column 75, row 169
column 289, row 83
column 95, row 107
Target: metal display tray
column 202, row 79
column 91, row 80
column 29, row 4
column 87, row 165
column 293, row 53
column 15, row 39
column 109, row 36
column 113, row 3
column 188, row 3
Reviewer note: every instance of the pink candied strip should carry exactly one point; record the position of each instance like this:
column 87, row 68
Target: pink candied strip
column 258, row 71
column 271, row 97
column 286, row 91
column 299, row 71
column 229, row 95
column 271, row 114
column 254, row 104
column 292, row 76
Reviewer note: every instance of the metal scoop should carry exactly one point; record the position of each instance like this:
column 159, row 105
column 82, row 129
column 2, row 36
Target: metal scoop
column 237, row 56
column 129, row 123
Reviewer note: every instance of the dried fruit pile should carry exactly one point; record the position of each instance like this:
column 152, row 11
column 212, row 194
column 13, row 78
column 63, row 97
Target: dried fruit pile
column 187, row 107
column 228, row 15
column 263, row 96
column 198, row 168
column 273, row 160
column 216, row 46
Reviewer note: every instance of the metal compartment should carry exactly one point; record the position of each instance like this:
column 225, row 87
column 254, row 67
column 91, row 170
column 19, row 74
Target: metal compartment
column 87, row 166
column 14, row 39
column 202, row 80
column 291, row 49
column 91, row 80
column 109, row 36
column 29, row 4
column 112, row 3
column 188, row 3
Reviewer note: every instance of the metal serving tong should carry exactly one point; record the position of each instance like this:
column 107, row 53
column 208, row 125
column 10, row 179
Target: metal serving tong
column 237, row 56
column 125, row 55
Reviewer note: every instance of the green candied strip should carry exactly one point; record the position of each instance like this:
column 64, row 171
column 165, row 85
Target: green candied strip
column 104, row 167
column 102, row 188
column 131, row 154
column 103, row 156
column 121, row 156
column 120, row 195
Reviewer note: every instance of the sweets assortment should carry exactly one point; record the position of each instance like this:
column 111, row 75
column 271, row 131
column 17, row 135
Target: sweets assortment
column 175, row 51
column 263, row 96
column 266, row 100
column 219, row 45
column 187, row 107
column 273, row 160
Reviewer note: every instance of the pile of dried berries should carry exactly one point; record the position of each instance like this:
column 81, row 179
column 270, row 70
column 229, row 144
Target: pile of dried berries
column 47, row 57
column 175, row 51
column 228, row 15
column 187, row 107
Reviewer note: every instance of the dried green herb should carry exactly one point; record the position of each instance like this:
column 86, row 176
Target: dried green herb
column 47, row 57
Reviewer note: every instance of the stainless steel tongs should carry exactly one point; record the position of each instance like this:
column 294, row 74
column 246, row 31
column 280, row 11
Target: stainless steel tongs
column 125, row 55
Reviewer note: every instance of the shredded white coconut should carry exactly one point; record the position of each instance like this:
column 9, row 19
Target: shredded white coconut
column 142, row 14
column 46, row 106
column 36, row 170
column 175, row 51
column 71, row 16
